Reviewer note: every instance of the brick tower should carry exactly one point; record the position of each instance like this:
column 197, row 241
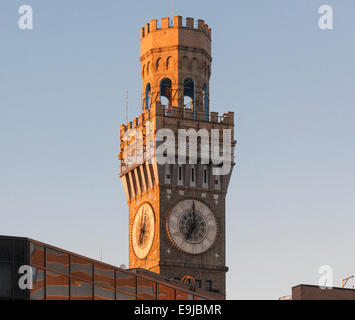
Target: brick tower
column 176, row 210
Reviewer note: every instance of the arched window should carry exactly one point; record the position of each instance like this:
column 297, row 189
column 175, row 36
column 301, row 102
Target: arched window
column 205, row 101
column 157, row 64
column 168, row 62
column 147, row 96
column 189, row 95
column 165, row 92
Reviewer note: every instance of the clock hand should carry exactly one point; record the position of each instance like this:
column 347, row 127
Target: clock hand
column 142, row 229
column 193, row 214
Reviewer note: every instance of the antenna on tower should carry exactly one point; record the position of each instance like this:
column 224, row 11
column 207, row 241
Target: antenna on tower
column 126, row 105
column 172, row 9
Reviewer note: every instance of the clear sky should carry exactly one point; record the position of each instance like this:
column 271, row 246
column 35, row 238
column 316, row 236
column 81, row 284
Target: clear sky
column 291, row 203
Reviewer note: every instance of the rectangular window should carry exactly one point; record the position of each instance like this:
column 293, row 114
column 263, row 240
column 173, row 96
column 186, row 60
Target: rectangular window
column 5, row 280
column 104, row 276
column 57, row 261
column 180, row 173
column 57, row 286
column 205, row 176
column 145, row 289
column 208, row 285
column 17, row 292
column 181, row 295
column 37, row 292
column 80, row 289
column 80, row 268
column 123, row 296
column 165, row 293
column 102, row 293
column 19, row 250
column 36, row 255
column 192, row 174
column 126, row 282
column 5, row 250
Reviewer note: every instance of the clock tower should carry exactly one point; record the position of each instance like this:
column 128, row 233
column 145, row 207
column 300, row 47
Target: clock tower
column 176, row 197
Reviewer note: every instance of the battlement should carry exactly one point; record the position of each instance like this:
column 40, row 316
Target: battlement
column 159, row 110
column 177, row 22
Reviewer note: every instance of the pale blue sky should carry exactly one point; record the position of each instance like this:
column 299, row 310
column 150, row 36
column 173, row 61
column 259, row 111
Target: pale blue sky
column 290, row 207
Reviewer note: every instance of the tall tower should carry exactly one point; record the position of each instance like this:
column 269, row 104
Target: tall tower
column 176, row 209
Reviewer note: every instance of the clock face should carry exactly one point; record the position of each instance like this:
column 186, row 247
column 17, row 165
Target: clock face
column 143, row 231
column 192, row 226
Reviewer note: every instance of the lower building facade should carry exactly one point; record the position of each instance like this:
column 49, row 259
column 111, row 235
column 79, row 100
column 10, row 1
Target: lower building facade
column 32, row 270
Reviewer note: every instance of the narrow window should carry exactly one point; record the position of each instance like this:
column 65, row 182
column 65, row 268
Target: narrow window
column 180, row 173
column 204, row 176
column 147, row 96
column 165, row 92
column 205, row 102
column 167, row 174
column 189, row 94
column 209, row 285
column 193, row 175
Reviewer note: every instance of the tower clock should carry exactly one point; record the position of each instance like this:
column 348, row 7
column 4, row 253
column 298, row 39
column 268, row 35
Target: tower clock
column 177, row 211
column 143, row 231
column 192, row 226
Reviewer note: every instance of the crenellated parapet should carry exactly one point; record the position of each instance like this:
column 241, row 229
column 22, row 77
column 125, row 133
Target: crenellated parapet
column 177, row 22
column 176, row 113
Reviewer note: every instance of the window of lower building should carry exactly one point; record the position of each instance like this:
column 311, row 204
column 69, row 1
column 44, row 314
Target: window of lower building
column 126, row 282
column 80, row 289
column 124, row 296
column 57, row 261
column 102, row 293
column 17, row 292
column 5, row 280
column 181, row 295
column 19, row 251
column 146, row 289
column 36, row 255
column 5, row 250
column 80, row 268
column 57, row 286
column 165, row 293
column 38, row 286
column 104, row 276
